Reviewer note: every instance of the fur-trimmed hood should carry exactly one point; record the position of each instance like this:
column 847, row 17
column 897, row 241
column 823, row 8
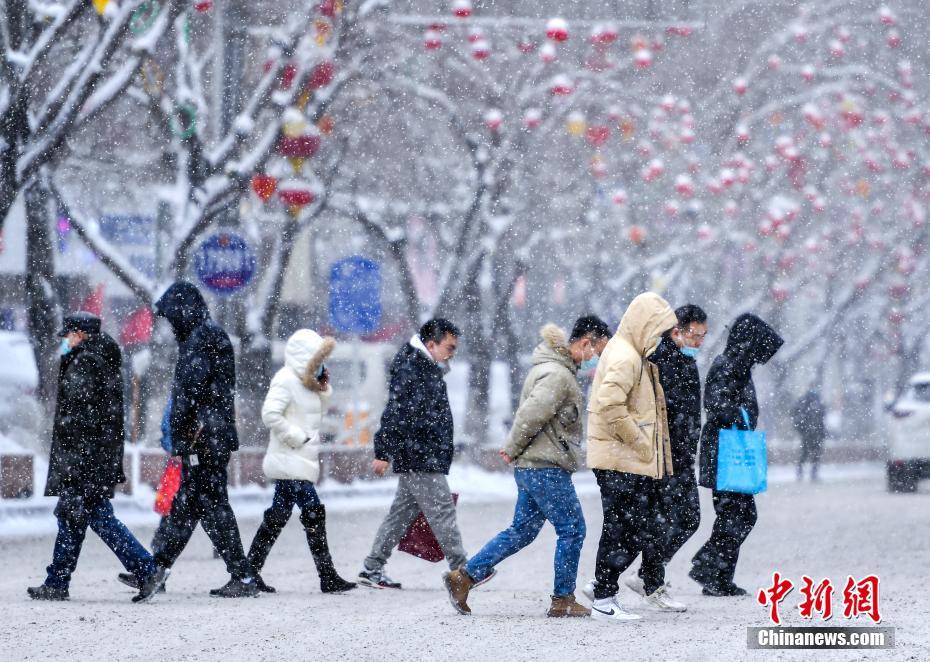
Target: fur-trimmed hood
column 304, row 353
column 554, row 347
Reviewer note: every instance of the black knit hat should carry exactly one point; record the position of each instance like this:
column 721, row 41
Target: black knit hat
column 80, row 321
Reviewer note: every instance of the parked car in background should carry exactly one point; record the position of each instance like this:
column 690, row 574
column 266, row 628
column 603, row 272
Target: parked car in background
column 909, row 436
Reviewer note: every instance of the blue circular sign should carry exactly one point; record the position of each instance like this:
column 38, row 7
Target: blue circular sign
column 224, row 262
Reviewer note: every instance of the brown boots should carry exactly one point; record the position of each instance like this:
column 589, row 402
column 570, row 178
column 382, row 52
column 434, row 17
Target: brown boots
column 458, row 584
column 566, row 607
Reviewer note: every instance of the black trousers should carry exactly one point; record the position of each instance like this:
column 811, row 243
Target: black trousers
column 715, row 562
column 629, row 502
column 203, row 498
column 676, row 519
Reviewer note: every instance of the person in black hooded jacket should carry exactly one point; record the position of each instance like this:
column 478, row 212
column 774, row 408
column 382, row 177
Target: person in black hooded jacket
column 203, row 434
column 728, row 390
column 86, row 459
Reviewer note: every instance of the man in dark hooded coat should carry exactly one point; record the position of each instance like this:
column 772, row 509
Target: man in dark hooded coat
column 86, row 460
column 729, row 389
column 203, row 434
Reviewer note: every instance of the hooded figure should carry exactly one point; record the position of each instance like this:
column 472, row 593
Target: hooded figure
column 629, row 450
column 547, row 429
column 627, row 421
column 293, row 412
column 203, row 394
column 729, row 386
column 203, row 434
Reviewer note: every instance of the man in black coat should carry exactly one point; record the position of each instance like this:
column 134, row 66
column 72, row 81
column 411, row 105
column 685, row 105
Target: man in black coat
column 416, row 438
column 203, row 434
column 730, row 389
column 808, row 418
column 86, row 460
column 679, row 509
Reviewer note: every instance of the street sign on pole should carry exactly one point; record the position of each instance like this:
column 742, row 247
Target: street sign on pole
column 355, row 295
column 224, row 262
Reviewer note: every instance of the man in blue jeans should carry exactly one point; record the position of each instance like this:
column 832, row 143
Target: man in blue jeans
column 86, row 460
column 544, row 447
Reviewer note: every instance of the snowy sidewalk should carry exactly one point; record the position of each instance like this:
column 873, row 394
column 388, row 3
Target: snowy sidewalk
column 846, row 525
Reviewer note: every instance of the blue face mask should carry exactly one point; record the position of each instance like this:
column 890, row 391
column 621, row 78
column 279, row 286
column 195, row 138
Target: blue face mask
column 64, row 347
column 319, row 373
column 590, row 364
column 691, row 352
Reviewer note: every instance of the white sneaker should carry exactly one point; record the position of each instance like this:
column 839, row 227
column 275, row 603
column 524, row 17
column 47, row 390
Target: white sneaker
column 608, row 609
column 588, row 590
column 635, row 584
column 660, row 600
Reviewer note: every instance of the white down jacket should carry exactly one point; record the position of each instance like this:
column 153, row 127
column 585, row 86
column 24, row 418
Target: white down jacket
column 294, row 408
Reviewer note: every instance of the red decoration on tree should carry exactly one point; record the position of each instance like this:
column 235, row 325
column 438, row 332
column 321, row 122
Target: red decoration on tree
column 597, row 135
column 322, row 75
column 557, row 29
column 264, row 186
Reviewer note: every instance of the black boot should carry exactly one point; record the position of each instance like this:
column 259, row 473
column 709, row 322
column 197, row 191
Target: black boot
column 314, row 520
column 264, row 540
column 46, row 592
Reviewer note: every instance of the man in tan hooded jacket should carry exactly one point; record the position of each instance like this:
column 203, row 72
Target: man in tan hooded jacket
column 629, row 450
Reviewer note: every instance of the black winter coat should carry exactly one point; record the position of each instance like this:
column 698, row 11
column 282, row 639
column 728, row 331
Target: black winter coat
column 203, row 411
column 416, row 426
column 729, row 386
column 86, row 458
column 681, row 382
column 808, row 417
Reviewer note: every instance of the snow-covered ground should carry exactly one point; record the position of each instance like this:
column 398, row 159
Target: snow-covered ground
column 846, row 525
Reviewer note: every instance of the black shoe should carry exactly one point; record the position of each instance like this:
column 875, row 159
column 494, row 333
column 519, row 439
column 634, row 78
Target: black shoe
column 46, row 592
column 336, row 584
column 130, row 580
column 700, row 577
column 237, row 588
column 151, row 585
column 723, row 590
column 262, row 586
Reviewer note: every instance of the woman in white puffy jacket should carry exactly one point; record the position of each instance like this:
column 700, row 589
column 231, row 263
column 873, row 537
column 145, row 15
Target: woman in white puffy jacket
column 293, row 412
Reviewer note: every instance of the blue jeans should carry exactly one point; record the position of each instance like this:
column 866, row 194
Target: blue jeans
column 75, row 514
column 542, row 494
column 290, row 493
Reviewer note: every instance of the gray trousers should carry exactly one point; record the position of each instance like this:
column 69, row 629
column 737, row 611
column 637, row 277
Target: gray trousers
column 415, row 492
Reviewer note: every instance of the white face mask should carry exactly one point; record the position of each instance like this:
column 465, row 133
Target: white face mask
column 445, row 366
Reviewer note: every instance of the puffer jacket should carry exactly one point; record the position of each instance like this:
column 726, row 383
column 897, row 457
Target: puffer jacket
column 546, row 430
column 294, row 408
column 627, row 419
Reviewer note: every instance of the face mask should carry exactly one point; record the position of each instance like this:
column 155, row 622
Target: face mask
column 690, row 352
column 445, row 366
column 64, row 347
column 319, row 373
column 590, row 364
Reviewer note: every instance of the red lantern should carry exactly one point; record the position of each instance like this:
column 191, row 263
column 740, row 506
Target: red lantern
column 740, row 86
column 203, row 5
column 604, row 35
column 597, row 135
column 886, row 16
column 329, row 7
column 619, row 196
column 562, row 86
column 684, row 185
column 547, row 53
column 894, row 38
column 264, row 186
column 642, row 58
column 322, row 75
column 303, row 147
column 296, row 194
column 287, row 75
column 432, row 40
column 461, row 8
column 475, row 34
column 533, row 118
column 481, row 50
column 493, row 119
column 557, row 29
column 808, row 72
column 636, row 234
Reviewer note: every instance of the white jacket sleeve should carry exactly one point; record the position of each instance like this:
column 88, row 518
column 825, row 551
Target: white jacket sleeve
column 276, row 402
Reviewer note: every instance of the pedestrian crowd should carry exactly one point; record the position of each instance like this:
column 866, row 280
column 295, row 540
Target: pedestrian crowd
column 640, row 432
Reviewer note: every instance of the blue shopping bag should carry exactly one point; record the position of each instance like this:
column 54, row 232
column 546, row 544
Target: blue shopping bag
column 742, row 462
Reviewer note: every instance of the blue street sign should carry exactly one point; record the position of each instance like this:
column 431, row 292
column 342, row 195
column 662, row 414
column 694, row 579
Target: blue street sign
column 355, row 295
column 224, row 262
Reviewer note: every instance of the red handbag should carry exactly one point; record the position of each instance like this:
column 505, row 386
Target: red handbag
column 420, row 541
column 168, row 487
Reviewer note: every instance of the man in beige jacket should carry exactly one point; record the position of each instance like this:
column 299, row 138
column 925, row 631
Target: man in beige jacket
column 629, row 450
